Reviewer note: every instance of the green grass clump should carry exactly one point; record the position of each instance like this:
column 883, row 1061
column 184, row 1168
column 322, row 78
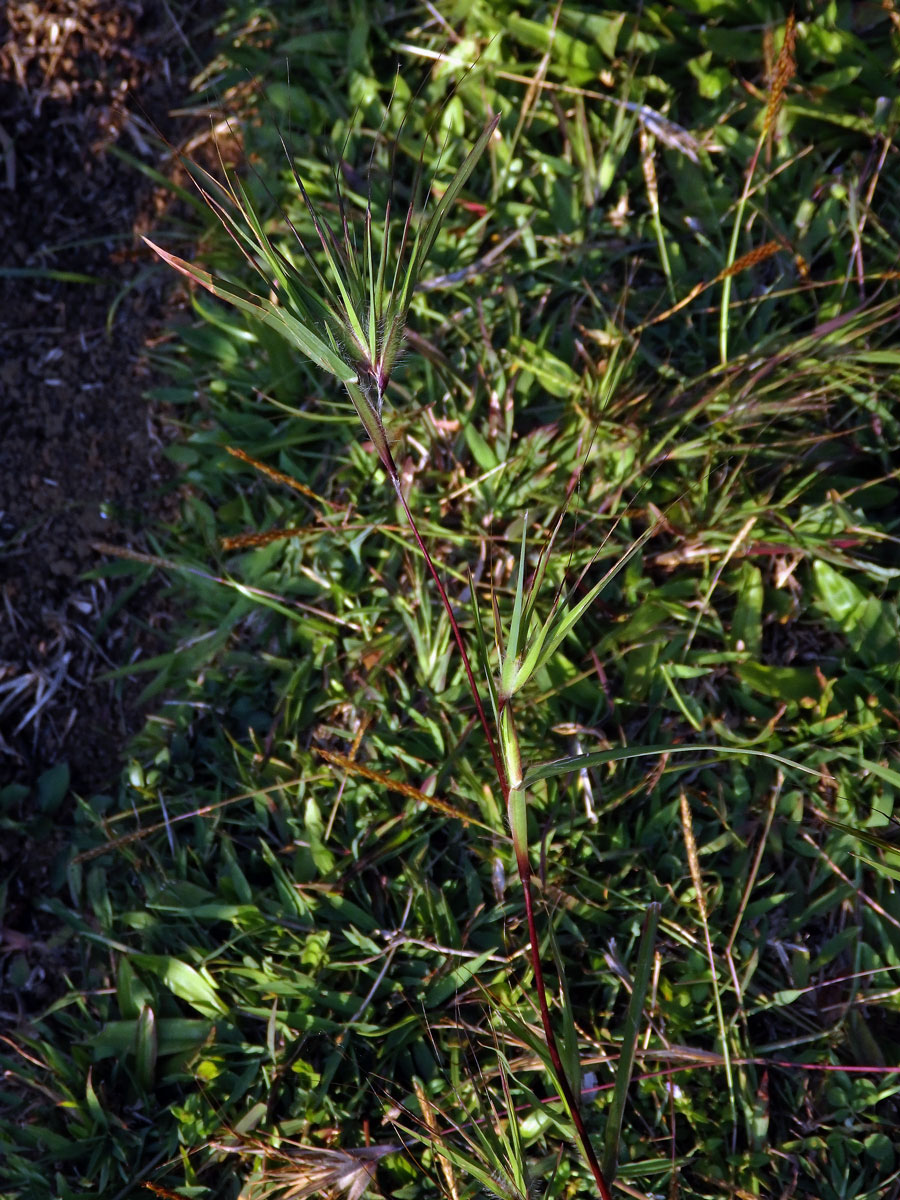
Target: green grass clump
column 643, row 424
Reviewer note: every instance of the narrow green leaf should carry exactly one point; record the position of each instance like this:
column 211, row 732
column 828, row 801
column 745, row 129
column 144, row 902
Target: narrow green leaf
column 511, row 1134
column 514, row 642
column 482, row 648
column 630, row 1035
column 463, row 1161
column 426, row 238
column 175, row 1035
column 561, row 766
column 95, row 1108
column 264, row 310
column 382, row 262
column 864, row 835
column 568, row 1043
column 339, row 265
column 562, row 619
column 127, row 984
column 49, row 273
column 454, row 980
column 372, row 305
column 541, row 569
column 879, row 770
column 879, row 868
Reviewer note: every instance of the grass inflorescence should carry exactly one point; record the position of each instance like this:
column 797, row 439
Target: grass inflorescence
column 516, row 810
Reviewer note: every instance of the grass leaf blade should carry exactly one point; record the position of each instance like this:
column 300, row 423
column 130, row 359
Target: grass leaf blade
column 629, row 1042
column 278, row 318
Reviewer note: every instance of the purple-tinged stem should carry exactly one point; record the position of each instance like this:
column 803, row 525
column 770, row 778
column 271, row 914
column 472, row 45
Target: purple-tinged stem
column 523, row 863
column 457, row 635
column 552, row 1048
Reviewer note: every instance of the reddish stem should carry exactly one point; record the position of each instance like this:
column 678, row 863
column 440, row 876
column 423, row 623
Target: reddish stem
column 524, row 866
column 457, row 634
column 550, row 1037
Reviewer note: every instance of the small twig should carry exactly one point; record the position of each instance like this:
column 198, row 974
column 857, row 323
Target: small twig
column 396, row 942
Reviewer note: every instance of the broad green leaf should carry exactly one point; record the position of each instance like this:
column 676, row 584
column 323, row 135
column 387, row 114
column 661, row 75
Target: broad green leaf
column 484, row 456
column 712, row 80
column 838, row 594
column 746, row 624
column 870, row 625
column 455, row 979
column 146, row 1047
column 792, row 684
column 184, row 981
column 555, row 377
column 315, row 828
column 52, row 787
column 579, row 59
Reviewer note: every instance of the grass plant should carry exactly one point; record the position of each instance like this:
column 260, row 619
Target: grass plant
column 374, row 914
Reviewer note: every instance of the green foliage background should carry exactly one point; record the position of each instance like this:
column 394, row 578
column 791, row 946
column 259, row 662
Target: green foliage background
column 264, row 945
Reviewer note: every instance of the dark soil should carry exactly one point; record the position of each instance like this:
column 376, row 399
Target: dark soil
column 80, row 448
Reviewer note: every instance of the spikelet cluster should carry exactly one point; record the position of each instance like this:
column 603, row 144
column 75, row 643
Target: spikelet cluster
column 785, row 69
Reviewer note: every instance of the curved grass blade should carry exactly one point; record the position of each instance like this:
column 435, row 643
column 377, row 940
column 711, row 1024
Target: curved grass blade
column 629, row 1043
column 562, row 766
column 425, row 239
column 562, row 621
column 322, row 355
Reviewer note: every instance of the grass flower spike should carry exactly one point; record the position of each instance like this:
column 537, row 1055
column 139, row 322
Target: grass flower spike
column 351, row 321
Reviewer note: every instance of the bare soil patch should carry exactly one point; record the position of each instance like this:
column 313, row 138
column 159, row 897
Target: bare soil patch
column 80, row 449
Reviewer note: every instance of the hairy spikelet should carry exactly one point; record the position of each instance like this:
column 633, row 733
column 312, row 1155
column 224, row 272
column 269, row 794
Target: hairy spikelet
column 785, row 69
column 278, row 476
column 395, row 785
column 748, row 260
column 507, row 1188
column 241, row 540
